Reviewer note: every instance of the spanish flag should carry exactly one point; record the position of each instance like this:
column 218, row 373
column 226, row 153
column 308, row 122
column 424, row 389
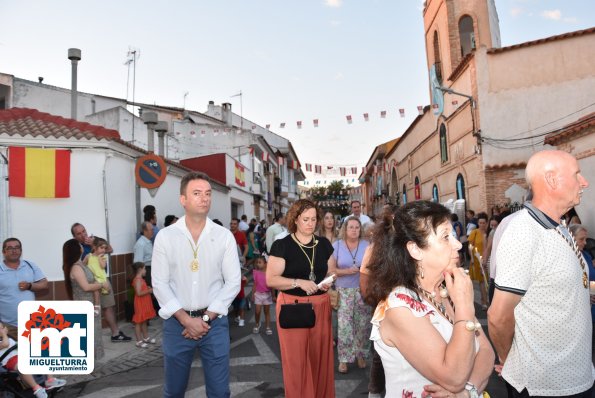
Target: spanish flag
column 38, row 173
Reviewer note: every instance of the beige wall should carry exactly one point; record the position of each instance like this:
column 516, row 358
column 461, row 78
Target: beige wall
column 520, row 90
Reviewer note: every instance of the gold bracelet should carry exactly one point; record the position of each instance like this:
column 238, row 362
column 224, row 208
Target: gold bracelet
column 470, row 325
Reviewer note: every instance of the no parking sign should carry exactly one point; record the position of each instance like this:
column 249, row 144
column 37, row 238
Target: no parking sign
column 150, row 171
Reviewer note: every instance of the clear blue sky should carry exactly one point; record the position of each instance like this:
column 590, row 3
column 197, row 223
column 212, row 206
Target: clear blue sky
column 293, row 59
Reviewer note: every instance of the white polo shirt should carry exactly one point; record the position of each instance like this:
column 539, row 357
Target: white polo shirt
column 551, row 348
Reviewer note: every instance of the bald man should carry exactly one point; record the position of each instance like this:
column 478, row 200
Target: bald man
column 540, row 318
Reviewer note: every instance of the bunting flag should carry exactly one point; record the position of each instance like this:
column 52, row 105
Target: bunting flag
column 349, row 120
column 354, row 170
column 282, row 125
column 251, row 150
column 420, row 109
column 38, row 173
column 299, row 124
column 366, row 117
column 402, row 112
column 383, row 114
column 343, row 171
column 308, row 166
column 239, row 174
column 329, row 167
column 315, row 122
column 318, row 169
column 279, row 160
column 294, row 164
column 265, row 156
column 268, row 126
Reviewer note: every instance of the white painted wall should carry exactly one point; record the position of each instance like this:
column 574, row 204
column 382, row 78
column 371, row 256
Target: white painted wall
column 43, row 225
column 56, row 100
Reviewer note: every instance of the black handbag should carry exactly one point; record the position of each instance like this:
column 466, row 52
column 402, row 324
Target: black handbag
column 297, row 316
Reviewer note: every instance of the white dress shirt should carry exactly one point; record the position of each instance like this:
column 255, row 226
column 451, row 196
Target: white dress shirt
column 213, row 286
column 143, row 250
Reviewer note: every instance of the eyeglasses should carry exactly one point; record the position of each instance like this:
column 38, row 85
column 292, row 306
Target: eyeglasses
column 13, row 248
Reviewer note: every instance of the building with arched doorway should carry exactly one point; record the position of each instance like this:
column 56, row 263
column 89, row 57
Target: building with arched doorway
column 491, row 108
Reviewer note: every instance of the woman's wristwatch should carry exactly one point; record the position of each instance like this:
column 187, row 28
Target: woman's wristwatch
column 472, row 390
column 294, row 284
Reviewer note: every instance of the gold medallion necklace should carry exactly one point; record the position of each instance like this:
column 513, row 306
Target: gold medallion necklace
column 194, row 263
column 312, row 276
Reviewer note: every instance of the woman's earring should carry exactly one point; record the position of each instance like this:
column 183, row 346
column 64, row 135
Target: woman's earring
column 421, row 272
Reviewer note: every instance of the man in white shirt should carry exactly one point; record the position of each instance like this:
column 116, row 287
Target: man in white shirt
column 195, row 278
column 243, row 225
column 540, row 318
column 356, row 211
column 143, row 248
column 275, row 231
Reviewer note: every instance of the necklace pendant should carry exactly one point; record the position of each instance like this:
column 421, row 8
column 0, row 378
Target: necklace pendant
column 353, row 262
column 312, row 276
column 194, row 265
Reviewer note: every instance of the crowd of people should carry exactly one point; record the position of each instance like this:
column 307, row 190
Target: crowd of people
column 401, row 289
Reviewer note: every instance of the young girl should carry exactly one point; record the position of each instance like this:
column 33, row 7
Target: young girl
column 97, row 262
column 261, row 295
column 10, row 361
column 143, row 306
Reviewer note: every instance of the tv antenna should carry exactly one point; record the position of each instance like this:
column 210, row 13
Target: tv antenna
column 132, row 56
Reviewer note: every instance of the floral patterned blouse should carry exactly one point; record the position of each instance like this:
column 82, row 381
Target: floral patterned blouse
column 402, row 379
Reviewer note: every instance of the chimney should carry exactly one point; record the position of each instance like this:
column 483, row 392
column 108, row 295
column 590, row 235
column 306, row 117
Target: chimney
column 74, row 55
column 40, row 78
column 226, row 114
column 161, row 129
column 150, row 119
column 211, row 108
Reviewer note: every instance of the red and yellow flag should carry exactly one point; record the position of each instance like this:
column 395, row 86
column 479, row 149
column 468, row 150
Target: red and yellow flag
column 38, row 173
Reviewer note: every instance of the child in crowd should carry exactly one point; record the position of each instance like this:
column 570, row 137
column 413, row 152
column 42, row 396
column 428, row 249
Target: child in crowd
column 10, row 363
column 239, row 303
column 97, row 263
column 261, row 295
column 143, row 306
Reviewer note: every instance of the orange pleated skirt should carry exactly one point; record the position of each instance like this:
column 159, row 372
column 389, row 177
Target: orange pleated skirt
column 307, row 354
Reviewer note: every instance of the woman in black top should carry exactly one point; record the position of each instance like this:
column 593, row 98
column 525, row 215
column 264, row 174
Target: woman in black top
column 297, row 263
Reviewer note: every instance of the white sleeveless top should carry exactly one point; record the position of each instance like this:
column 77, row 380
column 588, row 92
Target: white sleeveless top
column 402, row 379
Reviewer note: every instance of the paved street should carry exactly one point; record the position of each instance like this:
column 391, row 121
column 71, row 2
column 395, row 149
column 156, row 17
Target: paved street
column 255, row 369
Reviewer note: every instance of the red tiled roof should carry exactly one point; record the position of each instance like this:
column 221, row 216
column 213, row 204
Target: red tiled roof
column 582, row 124
column 24, row 121
column 503, row 166
column 544, row 40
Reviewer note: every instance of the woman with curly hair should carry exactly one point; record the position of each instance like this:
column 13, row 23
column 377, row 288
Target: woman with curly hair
column 297, row 263
column 424, row 327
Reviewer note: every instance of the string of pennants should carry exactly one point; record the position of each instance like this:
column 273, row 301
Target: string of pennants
column 299, row 124
column 344, row 170
column 366, row 116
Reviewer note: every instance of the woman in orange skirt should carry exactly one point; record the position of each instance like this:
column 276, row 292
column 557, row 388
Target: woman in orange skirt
column 143, row 306
column 297, row 263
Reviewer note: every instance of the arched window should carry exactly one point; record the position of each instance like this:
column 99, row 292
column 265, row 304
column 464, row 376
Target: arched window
column 404, row 194
column 435, row 194
column 437, row 59
column 460, row 187
column 466, row 35
column 443, row 144
column 417, row 189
